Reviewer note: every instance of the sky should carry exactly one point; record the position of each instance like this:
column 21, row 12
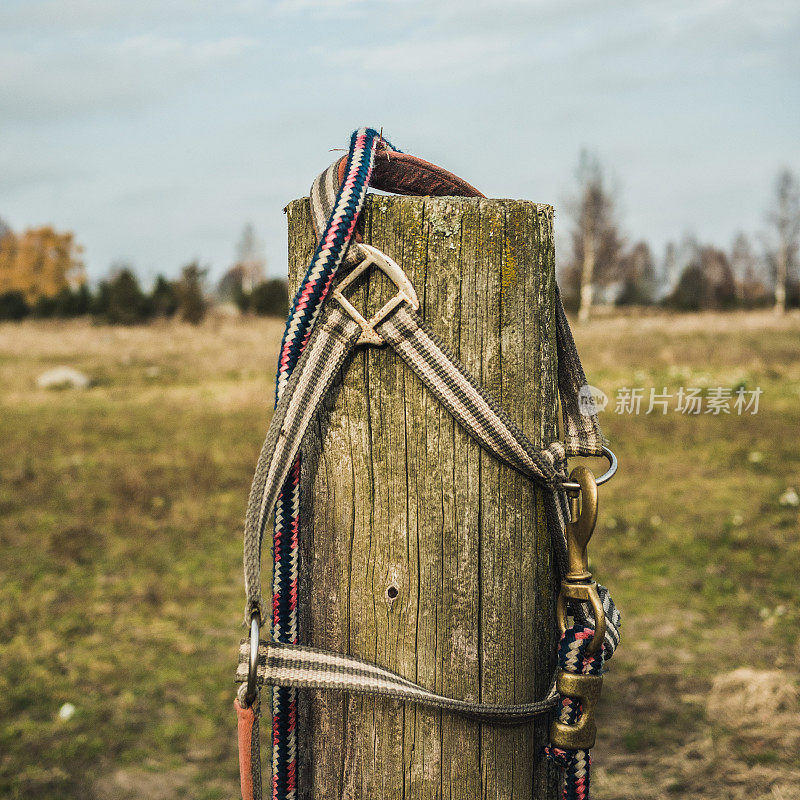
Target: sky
column 156, row 130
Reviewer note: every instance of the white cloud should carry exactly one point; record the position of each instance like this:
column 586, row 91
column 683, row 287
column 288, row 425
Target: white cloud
column 156, row 128
column 50, row 83
column 455, row 39
column 151, row 46
column 62, row 17
column 445, row 58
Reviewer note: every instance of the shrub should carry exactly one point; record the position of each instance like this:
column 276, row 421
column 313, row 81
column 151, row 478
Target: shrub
column 270, row 298
column 44, row 307
column 13, row 306
column 72, row 302
column 164, row 298
column 189, row 288
column 124, row 301
column 688, row 294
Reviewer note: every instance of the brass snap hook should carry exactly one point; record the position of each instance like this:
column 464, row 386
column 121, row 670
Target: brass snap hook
column 578, row 586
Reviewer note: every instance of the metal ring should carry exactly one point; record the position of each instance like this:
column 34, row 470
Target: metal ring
column 252, row 668
column 572, row 486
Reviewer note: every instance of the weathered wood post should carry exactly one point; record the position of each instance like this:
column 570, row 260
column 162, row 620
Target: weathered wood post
column 419, row 551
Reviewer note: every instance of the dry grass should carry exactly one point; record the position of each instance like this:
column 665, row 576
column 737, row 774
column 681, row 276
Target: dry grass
column 702, row 557
column 120, row 557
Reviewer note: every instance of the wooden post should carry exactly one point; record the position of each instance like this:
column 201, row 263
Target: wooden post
column 419, row 551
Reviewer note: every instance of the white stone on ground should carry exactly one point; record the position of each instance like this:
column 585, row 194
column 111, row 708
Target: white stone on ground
column 63, row 378
column 789, row 498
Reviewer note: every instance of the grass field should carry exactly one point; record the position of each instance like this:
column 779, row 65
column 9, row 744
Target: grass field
column 120, row 579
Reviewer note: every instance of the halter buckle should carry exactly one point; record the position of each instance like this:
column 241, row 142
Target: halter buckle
column 393, row 271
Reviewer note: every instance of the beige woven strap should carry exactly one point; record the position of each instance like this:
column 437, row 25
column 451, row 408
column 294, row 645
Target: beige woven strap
column 333, row 339
column 309, row 668
column 471, row 405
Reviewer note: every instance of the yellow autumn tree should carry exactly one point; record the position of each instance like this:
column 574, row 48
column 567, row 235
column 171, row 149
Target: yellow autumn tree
column 40, row 263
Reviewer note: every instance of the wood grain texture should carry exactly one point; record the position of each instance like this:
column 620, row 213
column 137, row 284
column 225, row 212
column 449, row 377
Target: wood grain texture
column 397, row 498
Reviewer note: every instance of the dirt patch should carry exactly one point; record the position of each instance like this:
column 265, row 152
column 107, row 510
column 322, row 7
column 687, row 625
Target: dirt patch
column 750, row 696
column 758, row 704
column 140, row 784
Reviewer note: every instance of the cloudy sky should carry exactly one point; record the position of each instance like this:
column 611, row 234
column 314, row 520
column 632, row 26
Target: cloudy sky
column 156, row 129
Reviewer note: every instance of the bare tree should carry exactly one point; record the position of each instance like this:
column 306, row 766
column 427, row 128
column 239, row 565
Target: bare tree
column 596, row 240
column 742, row 263
column 669, row 273
column 748, row 272
column 250, row 258
column 637, row 272
column 784, row 219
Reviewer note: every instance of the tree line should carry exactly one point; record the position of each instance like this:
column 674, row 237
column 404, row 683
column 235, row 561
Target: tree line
column 603, row 267
column 42, row 272
column 42, row 276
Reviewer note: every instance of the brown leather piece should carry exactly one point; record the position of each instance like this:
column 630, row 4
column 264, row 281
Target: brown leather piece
column 246, row 718
column 402, row 173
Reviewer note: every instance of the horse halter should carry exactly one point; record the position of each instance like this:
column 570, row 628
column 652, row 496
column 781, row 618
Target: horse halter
column 323, row 329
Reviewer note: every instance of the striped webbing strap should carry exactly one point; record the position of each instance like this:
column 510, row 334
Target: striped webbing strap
column 333, row 339
column 311, row 668
column 318, row 338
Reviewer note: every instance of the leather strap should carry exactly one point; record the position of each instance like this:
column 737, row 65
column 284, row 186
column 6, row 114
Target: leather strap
column 402, row 173
column 249, row 749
